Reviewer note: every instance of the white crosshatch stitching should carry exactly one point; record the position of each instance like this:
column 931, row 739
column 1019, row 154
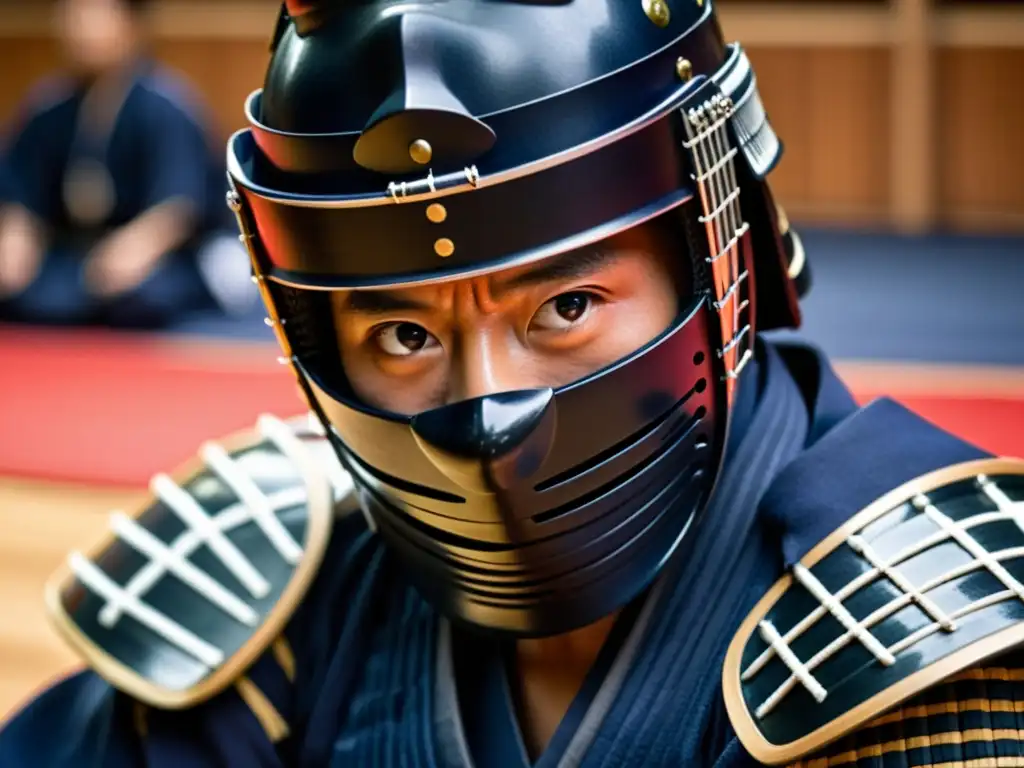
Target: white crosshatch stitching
column 800, row 671
column 861, row 547
column 164, row 559
column 715, row 176
column 835, row 607
column 958, row 532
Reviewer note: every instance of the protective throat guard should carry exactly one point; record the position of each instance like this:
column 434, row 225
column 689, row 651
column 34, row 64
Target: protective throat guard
column 185, row 595
column 922, row 584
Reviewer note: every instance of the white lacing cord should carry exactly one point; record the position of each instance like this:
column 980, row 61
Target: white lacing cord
column 865, row 550
column 188, row 542
column 969, row 543
column 178, row 500
column 949, row 530
column 800, row 671
column 170, row 630
column 319, row 480
column 200, row 529
column 245, row 488
column 843, row 616
column 1003, row 502
column 149, row 545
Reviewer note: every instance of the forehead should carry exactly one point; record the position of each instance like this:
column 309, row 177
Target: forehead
column 99, row 11
column 105, row 5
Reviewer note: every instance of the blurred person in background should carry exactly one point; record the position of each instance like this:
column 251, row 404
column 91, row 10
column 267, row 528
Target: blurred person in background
column 111, row 194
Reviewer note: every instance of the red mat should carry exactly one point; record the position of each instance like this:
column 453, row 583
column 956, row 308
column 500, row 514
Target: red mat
column 113, row 409
column 984, row 405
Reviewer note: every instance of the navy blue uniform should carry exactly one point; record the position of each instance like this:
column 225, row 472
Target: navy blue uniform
column 155, row 149
column 367, row 674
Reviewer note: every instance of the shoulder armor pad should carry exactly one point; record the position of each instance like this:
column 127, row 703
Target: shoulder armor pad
column 181, row 598
column 925, row 582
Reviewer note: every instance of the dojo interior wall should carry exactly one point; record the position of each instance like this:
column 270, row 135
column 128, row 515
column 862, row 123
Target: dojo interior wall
column 899, row 114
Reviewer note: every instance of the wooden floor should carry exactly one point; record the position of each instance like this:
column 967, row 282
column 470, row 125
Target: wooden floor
column 39, row 524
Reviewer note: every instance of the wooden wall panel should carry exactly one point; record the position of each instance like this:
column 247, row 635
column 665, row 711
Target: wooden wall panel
column 981, row 138
column 848, row 111
column 781, row 78
column 23, row 61
column 831, row 109
column 829, row 98
column 223, row 71
column 226, row 72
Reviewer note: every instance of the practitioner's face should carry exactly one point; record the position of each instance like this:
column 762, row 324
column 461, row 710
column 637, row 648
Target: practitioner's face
column 543, row 325
column 97, row 35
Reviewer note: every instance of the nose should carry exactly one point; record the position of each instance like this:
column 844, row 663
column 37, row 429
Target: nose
column 489, row 442
column 488, row 358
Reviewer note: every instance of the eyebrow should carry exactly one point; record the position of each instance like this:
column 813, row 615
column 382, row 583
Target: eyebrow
column 572, row 265
column 380, row 302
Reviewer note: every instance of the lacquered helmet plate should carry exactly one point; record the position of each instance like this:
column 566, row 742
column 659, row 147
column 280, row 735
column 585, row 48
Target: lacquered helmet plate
column 555, row 520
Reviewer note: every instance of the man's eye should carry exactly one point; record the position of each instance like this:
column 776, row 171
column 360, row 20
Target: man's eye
column 400, row 339
column 563, row 311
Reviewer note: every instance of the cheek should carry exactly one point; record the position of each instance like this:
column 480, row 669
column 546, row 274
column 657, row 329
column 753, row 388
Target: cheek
column 648, row 315
column 620, row 329
column 632, row 324
column 406, row 394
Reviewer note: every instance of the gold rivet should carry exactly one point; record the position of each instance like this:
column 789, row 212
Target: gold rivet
column 436, row 213
column 444, row 247
column 420, row 151
column 684, row 69
column 657, row 11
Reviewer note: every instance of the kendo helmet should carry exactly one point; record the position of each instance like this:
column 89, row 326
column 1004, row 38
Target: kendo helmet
column 403, row 142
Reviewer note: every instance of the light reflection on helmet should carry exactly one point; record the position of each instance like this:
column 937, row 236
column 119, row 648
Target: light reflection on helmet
column 401, row 143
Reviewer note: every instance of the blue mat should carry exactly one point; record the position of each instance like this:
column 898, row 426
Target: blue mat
column 247, row 327
column 952, row 299
column 939, row 298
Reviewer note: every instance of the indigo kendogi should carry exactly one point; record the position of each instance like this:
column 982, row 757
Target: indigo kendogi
column 558, row 503
column 111, row 195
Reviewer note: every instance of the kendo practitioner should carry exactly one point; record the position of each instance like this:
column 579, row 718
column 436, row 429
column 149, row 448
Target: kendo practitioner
column 113, row 185
column 558, row 502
